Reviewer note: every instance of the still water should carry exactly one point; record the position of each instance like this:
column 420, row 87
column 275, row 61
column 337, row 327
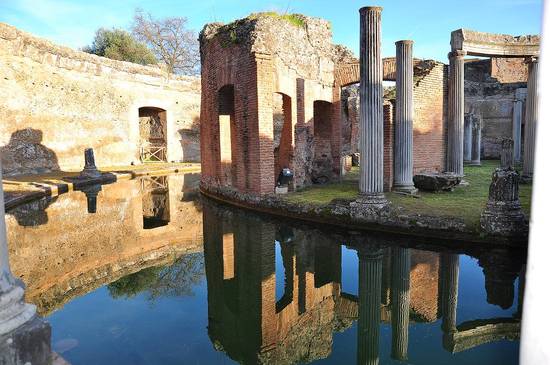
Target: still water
column 148, row 272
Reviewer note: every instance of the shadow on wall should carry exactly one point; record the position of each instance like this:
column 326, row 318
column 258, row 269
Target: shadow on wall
column 32, row 214
column 190, row 142
column 25, row 154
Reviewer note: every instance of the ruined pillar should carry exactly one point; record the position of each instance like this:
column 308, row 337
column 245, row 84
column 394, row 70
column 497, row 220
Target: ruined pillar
column 24, row 338
column 467, row 138
column 455, row 144
column 507, row 153
column 476, row 140
column 371, row 142
column 531, row 116
column 517, row 122
column 503, row 215
column 404, row 113
column 370, row 286
column 401, row 301
column 449, row 291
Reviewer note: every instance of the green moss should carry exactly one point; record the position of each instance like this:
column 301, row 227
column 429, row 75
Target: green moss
column 297, row 20
column 465, row 202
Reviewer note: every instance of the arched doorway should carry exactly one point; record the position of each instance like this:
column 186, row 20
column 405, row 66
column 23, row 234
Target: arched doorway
column 322, row 147
column 282, row 132
column 226, row 119
column 152, row 134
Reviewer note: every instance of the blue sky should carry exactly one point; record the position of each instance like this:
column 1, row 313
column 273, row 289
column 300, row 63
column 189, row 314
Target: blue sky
column 427, row 22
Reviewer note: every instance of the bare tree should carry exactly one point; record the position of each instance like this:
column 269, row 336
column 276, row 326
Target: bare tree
column 170, row 40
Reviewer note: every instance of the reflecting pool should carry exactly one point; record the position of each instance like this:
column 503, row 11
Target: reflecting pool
column 155, row 274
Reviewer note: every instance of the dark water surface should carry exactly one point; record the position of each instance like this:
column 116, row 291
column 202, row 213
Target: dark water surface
column 158, row 275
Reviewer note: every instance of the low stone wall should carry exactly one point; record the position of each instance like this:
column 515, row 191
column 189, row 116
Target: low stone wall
column 348, row 214
column 57, row 101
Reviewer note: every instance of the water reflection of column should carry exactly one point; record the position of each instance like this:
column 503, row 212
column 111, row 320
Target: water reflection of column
column 370, row 284
column 14, row 312
column 449, row 273
column 401, row 300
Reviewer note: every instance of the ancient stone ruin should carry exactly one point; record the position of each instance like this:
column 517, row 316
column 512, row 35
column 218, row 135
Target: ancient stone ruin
column 69, row 100
column 288, row 104
column 503, row 215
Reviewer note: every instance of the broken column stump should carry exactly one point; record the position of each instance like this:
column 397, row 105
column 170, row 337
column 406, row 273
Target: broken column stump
column 503, row 215
column 90, row 170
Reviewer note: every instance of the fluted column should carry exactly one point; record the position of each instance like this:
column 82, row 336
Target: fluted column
column 449, row 291
column 455, row 139
column 401, row 301
column 467, row 138
column 476, row 140
column 14, row 312
column 371, row 141
column 368, row 324
column 516, row 124
column 531, row 117
column 404, row 114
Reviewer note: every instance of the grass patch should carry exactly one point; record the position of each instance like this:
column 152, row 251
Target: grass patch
column 464, row 202
column 297, row 20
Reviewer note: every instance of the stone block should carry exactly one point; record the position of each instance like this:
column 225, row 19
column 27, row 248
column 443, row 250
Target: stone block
column 436, row 182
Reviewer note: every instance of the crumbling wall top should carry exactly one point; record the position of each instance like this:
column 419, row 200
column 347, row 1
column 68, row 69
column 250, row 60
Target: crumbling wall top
column 491, row 44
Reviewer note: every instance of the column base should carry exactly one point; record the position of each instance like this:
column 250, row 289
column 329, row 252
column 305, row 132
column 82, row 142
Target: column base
column 405, row 189
column 14, row 312
column 377, row 200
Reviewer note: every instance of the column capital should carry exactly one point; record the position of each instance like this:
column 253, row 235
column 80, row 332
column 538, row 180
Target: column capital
column 458, row 53
column 404, row 41
column 366, row 9
column 531, row 59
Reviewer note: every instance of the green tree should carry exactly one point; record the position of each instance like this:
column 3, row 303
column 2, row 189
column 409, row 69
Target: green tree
column 117, row 44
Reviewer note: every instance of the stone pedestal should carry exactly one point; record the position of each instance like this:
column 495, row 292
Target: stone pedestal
column 404, row 113
column 90, row 170
column 371, row 139
column 455, row 143
column 370, row 295
column 467, row 138
column 476, row 140
column 27, row 344
column 503, row 215
column 531, row 118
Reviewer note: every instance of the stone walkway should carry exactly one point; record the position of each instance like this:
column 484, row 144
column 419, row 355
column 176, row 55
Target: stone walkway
column 25, row 188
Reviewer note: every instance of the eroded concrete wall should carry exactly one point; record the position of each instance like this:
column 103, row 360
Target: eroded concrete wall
column 55, row 101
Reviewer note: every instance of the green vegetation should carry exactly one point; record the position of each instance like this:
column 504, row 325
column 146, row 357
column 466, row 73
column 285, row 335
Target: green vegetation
column 465, row 202
column 117, row 44
column 294, row 19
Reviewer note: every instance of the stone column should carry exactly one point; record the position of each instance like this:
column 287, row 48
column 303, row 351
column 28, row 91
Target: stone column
column 449, row 291
column 455, row 144
column 14, row 312
column 476, row 140
column 467, row 138
column 400, row 302
column 517, row 122
column 531, row 116
column 370, row 286
column 371, row 141
column 404, row 114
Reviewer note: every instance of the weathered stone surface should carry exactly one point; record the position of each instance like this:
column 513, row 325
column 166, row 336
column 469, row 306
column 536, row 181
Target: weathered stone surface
column 507, row 154
column 493, row 44
column 436, row 182
column 57, row 98
column 28, row 344
column 503, row 215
